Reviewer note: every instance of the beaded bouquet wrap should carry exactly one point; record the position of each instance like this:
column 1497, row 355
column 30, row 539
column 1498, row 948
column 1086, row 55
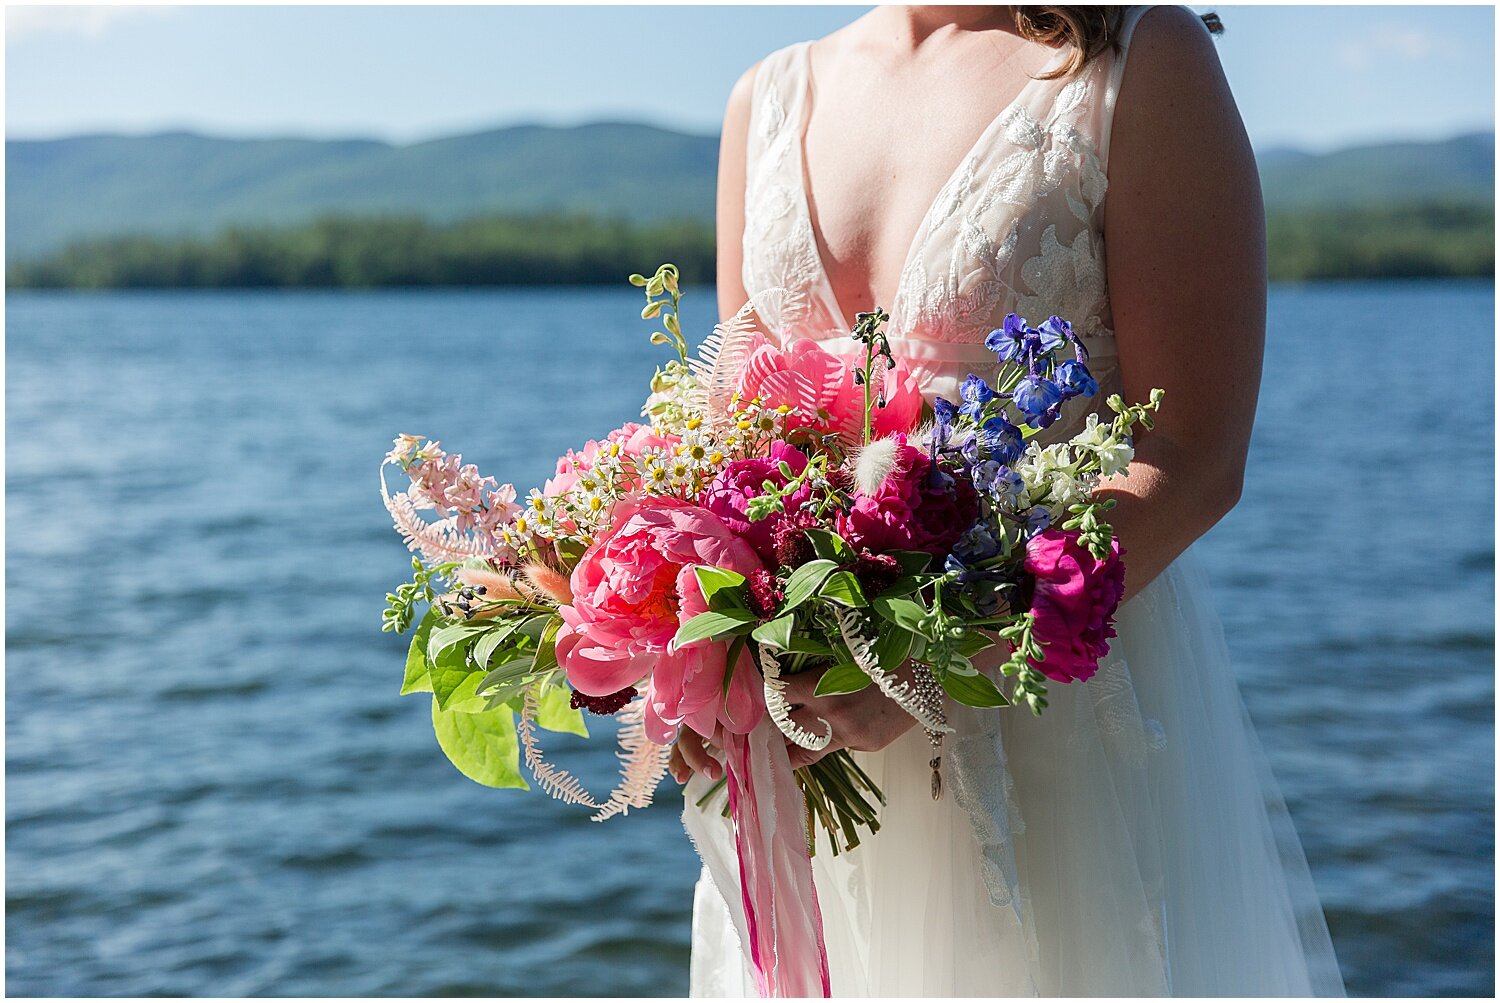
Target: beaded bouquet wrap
column 780, row 509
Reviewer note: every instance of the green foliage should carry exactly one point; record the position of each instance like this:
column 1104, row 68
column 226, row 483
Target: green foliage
column 1383, row 241
column 483, row 746
column 379, row 252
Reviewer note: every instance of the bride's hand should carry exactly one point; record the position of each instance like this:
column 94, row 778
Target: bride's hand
column 866, row 721
column 691, row 754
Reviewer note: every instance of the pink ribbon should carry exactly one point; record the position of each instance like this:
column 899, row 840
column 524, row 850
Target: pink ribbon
column 776, row 881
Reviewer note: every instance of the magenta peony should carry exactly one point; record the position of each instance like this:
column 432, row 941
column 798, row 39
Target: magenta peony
column 818, row 387
column 1074, row 603
column 631, row 591
column 728, row 495
column 912, row 509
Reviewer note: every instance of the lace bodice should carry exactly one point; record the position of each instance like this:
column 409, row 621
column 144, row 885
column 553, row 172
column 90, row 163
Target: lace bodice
column 1017, row 227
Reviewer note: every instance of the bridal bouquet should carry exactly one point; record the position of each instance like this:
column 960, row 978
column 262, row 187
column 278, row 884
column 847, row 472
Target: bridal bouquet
column 780, row 509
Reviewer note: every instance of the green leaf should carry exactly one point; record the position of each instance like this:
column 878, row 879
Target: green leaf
column 546, row 648
column 904, row 586
column 973, row 643
column 842, row 678
column 913, row 562
column 843, row 588
column 448, row 635
column 830, row 546
column 805, row 582
column 555, row 712
column 465, row 699
column 722, row 589
column 714, row 625
column 482, row 746
column 974, row 691
column 484, row 648
column 802, row 645
column 893, row 647
column 416, row 680
column 448, row 671
column 904, row 613
column 776, row 633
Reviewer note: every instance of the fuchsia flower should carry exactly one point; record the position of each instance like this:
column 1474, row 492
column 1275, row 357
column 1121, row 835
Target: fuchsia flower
column 912, row 508
column 1074, row 603
column 633, row 439
column 631, row 591
column 818, row 386
column 729, row 494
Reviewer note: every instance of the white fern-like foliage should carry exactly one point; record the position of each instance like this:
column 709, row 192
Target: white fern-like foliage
column 557, row 782
column 781, row 711
column 438, row 541
column 929, row 713
column 642, row 764
column 723, row 354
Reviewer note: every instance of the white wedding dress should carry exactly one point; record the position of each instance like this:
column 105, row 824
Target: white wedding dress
column 1129, row 842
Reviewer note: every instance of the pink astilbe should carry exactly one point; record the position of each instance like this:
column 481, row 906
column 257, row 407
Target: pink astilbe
column 473, row 509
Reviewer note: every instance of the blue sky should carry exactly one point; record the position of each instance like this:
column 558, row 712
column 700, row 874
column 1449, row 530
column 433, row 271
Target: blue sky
column 1313, row 77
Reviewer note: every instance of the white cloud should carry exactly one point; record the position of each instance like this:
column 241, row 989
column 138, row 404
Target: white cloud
column 29, row 21
column 1383, row 44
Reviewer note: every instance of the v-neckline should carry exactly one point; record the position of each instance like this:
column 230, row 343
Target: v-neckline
column 805, row 187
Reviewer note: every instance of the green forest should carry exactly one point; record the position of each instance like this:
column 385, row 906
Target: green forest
column 1434, row 239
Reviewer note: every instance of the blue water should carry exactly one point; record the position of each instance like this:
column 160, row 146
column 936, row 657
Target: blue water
column 214, row 789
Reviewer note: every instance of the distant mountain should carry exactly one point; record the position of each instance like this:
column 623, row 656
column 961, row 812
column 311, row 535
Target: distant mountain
column 1461, row 169
column 183, row 183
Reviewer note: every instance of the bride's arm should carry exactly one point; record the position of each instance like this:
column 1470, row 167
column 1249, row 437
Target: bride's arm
column 1185, row 243
column 730, row 208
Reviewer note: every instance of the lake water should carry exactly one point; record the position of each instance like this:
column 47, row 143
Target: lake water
column 214, row 789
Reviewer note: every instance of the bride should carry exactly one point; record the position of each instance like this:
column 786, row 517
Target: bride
column 955, row 164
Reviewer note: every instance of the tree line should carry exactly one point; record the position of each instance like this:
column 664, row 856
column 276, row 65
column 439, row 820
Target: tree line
column 1395, row 241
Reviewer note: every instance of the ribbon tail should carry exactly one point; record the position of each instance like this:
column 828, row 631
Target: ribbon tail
column 784, row 926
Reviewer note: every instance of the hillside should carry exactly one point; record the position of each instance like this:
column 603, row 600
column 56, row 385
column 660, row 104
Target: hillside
column 181, row 183
column 510, row 205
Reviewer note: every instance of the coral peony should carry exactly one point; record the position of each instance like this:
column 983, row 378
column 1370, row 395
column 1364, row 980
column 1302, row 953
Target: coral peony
column 914, row 507
column 631, row 591
column 818, row 387
column 1074, row 603
column 729, row 494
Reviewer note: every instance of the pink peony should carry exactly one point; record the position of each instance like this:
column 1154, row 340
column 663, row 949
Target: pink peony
column 728, row 495
column 633, row 439
column 914, row 508
column 818, row 386
column 631, row 591
column 1074, row 603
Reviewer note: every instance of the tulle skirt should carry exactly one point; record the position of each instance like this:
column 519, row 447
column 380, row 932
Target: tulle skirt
column 1129, row 842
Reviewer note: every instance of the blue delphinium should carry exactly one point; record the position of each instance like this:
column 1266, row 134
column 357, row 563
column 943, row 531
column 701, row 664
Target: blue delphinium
column 982, row 474
column 1003, row 440
column 1034, row 395
column 976, row 394
column 1008, row 489
column 977, row 544
column 1075, row 379
column 1009, row 341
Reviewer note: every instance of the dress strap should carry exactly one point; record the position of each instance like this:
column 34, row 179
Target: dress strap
column 1115, row 75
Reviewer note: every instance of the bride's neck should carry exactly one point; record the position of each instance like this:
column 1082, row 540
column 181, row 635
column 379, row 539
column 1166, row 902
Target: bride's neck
column 919, row 22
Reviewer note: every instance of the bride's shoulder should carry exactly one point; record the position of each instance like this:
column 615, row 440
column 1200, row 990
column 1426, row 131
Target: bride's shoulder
column 1170, row 41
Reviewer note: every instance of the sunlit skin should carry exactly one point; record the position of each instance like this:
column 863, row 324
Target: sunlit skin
column 900, row 95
